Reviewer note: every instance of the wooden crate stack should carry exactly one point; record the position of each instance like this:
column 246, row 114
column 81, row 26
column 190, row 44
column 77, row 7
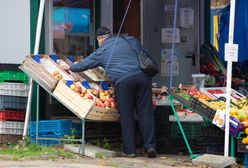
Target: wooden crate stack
column 42, row 69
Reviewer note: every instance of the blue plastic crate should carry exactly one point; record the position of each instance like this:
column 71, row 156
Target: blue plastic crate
column 245, row 160
column 58, row 127
column 46, row 142
column 77, row 127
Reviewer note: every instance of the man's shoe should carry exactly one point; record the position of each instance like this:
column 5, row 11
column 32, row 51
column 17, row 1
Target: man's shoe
column 151, row 153
column 122, row 154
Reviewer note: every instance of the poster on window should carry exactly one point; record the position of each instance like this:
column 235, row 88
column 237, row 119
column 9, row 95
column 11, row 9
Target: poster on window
column 166, row 63
column 70, row 20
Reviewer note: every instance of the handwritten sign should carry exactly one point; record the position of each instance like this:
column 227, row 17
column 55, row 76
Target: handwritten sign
column 231, row 52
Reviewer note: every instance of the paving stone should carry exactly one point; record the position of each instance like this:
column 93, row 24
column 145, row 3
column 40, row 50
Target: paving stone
column 214, row 161
column 90, row 150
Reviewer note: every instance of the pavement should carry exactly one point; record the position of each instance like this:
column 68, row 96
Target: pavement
column 162, row 161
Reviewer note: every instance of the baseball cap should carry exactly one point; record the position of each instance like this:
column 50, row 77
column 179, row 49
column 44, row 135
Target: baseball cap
column 102, row 31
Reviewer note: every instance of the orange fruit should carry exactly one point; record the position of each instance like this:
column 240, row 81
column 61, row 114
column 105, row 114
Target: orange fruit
column 246, row 131
column 245, row 140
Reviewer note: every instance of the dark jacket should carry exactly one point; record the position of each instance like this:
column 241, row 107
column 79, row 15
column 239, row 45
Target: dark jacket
column 123, row 62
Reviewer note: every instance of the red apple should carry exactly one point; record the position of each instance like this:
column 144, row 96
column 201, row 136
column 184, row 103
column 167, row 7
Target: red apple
column 112, row 105
column 101, row 104
column 107, row 103
column 111, row 99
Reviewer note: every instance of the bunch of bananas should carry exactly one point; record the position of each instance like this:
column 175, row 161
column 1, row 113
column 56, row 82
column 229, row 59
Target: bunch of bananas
column 242, row 102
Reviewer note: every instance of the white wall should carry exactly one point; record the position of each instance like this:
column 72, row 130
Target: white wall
column 14, row 31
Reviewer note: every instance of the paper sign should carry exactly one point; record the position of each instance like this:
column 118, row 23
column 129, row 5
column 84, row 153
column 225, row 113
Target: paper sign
column 168, row 34
column 219, row 119
column 231, row 52
column 166, row 63
column 187, row 17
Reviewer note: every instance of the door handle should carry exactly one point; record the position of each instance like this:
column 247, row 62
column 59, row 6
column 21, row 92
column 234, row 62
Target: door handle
column 193, row 57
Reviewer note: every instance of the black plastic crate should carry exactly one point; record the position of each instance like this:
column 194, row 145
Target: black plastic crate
column 179, row 98
column 12, row 102
column 243, row 148
column 202, row 109
column 191, row 130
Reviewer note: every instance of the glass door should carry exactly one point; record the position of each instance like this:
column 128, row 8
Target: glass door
column 70, row 27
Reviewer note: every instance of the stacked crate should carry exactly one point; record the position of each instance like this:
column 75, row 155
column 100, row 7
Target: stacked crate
column 55, row 129
column 13, row 99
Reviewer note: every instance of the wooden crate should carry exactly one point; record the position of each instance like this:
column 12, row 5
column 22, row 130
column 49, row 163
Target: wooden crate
column 38, row 73
column 100, row 113
column 91, row 75
column 42, row 72
column 83, row 108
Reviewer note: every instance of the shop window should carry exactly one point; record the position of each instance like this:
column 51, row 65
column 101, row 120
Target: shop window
column 73, row 27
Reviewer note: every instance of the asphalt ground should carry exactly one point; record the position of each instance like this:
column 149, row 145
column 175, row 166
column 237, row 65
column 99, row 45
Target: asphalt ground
column 162, row 161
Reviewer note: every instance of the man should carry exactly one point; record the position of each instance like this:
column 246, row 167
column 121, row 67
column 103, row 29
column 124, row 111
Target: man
column 132, row 87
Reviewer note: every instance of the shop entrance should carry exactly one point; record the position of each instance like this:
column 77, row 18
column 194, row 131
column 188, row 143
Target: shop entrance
column 132, row 22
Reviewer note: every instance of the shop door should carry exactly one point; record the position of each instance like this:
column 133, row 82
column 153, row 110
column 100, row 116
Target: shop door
column 158, row 17
column 131, row 24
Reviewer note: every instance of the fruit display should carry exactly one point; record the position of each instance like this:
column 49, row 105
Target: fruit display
column 185, row 96
column 104, row 98
column 242, row 103
column 215, row 91
column 198, row 94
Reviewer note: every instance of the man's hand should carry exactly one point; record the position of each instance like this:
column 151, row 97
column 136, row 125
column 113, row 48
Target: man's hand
column 65, row 67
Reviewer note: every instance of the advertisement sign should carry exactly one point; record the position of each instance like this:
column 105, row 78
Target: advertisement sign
column 74, row 20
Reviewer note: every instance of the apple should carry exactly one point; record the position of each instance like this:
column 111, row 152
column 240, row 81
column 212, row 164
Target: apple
column 111, row 99
column 101, row 94
column 107, row 103
column 103, row 98
column 56, row 72
column 73, row 87
column 78, row 89
column 111, row 92
column 87, row 96
column 83, row 91
column 112, row 105
column 97, row 103
column 95, row 92
column 106, row 92
column 101, row 104
column 108, row 96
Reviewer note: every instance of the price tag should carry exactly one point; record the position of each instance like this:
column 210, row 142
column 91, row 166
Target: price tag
column 231, row 52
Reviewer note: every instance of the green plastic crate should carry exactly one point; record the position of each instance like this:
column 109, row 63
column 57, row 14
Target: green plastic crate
column 191, row 130
column 13, row 76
